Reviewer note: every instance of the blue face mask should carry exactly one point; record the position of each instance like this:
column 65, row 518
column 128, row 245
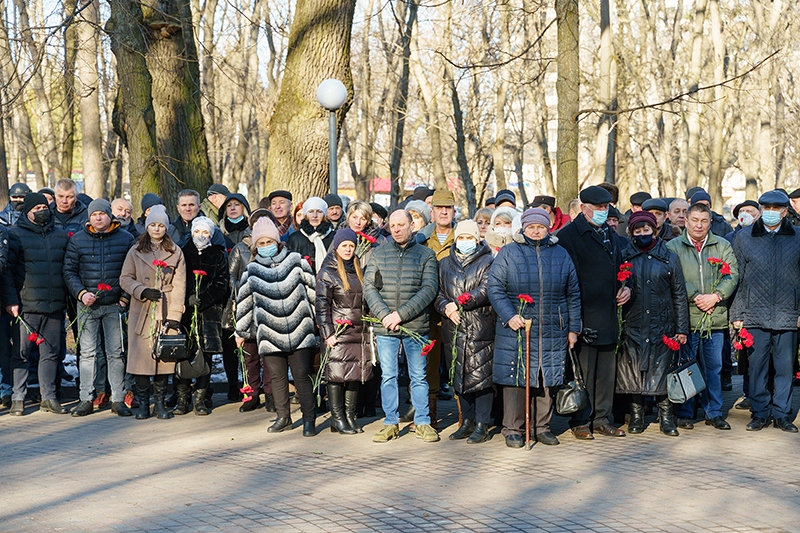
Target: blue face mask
column 771, row 218
column 599, row 217
column 466, row 247
column 236, row 220
column 268, row 251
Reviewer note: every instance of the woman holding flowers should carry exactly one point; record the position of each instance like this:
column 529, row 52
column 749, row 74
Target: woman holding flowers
column 206, row 294
column 154, row 274
column 655, row 322
column 532, row 279
column 468, row 329
column 340, row 306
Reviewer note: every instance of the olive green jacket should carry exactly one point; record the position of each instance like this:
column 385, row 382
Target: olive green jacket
column 700, row 275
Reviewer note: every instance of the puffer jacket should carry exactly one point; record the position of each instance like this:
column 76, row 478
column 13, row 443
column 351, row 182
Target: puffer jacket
column 9, row 216
column 238, row 258
column 403, row 279
column 769, row 268
column 300, row 241
column 719, row 226
column 275, row 304
column 34, row 277
column 700, row 275
column 73, row 222
column 213, row 292
column 657, row 307
column 545, row 272
column 474, row 338
column 93, row 258
column 349, row 359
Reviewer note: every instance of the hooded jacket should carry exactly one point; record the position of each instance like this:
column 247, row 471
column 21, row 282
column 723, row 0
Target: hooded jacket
column 73, row 221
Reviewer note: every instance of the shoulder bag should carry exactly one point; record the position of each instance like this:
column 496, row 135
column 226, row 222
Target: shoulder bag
column 572, row 396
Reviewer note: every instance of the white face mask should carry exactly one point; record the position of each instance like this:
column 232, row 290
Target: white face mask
column 746, row 219
column 503, row 232
column 201, row 241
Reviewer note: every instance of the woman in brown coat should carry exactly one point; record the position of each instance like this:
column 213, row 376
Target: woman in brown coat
column 151, row 285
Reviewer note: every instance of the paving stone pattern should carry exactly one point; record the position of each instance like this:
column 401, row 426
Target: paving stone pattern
column 224, row 472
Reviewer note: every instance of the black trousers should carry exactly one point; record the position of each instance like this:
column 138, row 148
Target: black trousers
column 300, row 361
column 780, row 349
column 599, row 367
column 514, row 410
column 477, row 406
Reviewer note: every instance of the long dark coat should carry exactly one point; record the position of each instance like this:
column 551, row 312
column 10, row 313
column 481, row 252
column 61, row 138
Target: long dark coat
column 214, row 292
column 545, row 272
column 474, row 339
column 657, row 307
column 348, row 360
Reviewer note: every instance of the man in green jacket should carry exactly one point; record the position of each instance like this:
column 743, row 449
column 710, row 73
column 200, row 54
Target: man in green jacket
column 709, row 284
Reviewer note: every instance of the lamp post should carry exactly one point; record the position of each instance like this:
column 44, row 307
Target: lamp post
column 332, row 94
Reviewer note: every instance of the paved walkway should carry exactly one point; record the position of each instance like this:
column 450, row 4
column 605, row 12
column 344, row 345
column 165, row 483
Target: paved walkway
column 225, row 473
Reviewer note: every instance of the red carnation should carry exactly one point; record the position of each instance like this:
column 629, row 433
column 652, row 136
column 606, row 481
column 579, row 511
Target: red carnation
column 428, row 347
column 527, row 298
column 671, row 343
column 623, row 275
column 70, row 234
column 714, row 260
column 39, row 341
column 370, row 239
column 308, row 258
column 725, row 269
column 464, row 298
column 626, row 266
column 103, row 287
column 159, row 263
column 199, row 273
column 737, row 345
column 247, row 389
column 32, row 337
column 343, row 322
column 246, row 399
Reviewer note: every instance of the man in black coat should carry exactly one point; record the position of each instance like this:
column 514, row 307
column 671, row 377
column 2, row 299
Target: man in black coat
column 69, row 213
column 768, row 253
column 33, row 289
column 596, row 251
column 92, row 266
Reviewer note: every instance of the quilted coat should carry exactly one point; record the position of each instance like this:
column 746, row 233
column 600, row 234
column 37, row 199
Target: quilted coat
column 238, row 258
column 93, row 258
column 213, row 292
column 769, row 267
column 474, row 338
column 73, row 221
column 657, row 307
column 349, row 360
column 275, row 304
column 138, row 274
column 545, row 272
column 403, row 279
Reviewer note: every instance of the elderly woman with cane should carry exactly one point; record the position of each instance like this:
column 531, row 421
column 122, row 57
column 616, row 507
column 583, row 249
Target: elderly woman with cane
column 532, row 279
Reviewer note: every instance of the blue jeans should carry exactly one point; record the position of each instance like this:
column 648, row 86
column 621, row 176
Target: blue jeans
column 105, row 318
column 710, row 360
column 388, row 348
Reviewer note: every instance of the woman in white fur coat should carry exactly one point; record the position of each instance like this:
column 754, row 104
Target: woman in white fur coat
column 275, row 306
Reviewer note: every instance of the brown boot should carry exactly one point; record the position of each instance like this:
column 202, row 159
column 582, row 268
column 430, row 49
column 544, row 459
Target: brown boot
column 432, row 411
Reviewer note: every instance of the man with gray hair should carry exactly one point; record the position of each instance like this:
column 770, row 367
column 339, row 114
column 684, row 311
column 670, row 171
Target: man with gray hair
column 69, row 213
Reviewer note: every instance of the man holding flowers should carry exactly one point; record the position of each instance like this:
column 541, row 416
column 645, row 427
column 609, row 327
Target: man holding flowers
column 766, row 304
column 92, row 267
column 711, row 273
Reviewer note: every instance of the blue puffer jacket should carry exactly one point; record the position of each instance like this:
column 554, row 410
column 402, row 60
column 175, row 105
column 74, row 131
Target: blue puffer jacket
column 93, row 258
column 546, row 273
column 9, row 215
column 71, row 222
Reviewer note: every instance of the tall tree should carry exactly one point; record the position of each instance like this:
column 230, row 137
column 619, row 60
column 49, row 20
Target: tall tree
column 568, row 90
column 88, row 92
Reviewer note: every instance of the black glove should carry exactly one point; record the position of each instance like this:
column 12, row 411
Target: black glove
column 151, row 294
column 172, row 324
column 194, row 301
column 588, row 335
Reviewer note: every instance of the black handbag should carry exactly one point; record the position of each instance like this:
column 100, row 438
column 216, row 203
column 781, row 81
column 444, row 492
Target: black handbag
column 193, row 368
column 171, row 348
column 572, row 396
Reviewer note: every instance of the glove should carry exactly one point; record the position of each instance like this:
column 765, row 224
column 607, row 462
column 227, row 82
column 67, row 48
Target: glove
column 588, row 335
column 172, row 324
column 194, row 301
column 151, row 294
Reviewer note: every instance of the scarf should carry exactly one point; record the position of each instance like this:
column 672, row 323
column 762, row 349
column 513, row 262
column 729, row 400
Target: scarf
column 319, row 247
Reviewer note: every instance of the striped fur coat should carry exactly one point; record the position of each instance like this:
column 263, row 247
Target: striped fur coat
column 275, row 303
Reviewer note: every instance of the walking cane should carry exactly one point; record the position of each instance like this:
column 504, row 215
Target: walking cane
column 528, row 322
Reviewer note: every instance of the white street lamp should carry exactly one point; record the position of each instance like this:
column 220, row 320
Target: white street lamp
column 332, row 94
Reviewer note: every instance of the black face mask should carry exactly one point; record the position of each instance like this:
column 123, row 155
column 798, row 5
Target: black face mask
column 643, row 241
column 17, row 206
column 41, row 218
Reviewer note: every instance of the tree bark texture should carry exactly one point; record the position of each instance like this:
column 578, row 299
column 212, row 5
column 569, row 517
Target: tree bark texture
column 319, row 48
column 88, row 93
column 568, row 90
column 67, row 144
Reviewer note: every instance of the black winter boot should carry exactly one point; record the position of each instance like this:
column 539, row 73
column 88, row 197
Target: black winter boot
column 636, row 424
column 466, row 429
column 350, row 403
column 665, row 417
column 160, row 398
column 200, row 408
column 184, row 392
column 336, row 399
column 481, row 434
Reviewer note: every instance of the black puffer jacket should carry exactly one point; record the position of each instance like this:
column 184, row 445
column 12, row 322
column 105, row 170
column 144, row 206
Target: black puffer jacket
column 474, row 339
column 658, row 307
column 300, row 242
column 71, row 222
column 348, row 360
column 93, row 258
column 34, row 277
column 719, row 226
column 768, row 296
column 597, row 263
column 403, row 279
column 238, row 258
column 213, row 292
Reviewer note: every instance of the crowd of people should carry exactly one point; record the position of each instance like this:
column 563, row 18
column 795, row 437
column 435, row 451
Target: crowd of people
column 345, row 300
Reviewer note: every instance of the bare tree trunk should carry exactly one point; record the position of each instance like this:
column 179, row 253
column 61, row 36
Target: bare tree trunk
column 501, row 95
column 94, row 182
column 694, row 108
column 431, row 105
column 365, row 174
column 319, row 48
column 605, row 147
column 67, row 143
column 401, row 98
column 568, row 90
column 3, row 156
column 717, row 139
